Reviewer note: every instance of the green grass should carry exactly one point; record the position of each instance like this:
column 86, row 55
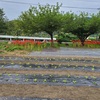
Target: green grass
column 4, row 46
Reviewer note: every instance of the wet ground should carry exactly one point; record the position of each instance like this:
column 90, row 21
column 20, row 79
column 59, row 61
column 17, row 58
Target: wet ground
column 68, row 52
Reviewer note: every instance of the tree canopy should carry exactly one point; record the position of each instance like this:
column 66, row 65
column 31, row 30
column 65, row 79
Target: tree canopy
column 81, row 25
column 42, row 18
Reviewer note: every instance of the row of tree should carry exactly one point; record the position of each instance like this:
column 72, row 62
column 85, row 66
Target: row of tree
column 50, row 19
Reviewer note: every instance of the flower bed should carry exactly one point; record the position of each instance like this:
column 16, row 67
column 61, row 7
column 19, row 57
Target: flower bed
column 88, row 43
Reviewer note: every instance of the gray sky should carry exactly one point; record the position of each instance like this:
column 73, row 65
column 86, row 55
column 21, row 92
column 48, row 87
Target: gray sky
column 13, row 10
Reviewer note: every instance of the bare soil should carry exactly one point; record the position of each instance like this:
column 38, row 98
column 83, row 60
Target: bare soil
column 15, row 53
column 23, row 53
column 46, row 91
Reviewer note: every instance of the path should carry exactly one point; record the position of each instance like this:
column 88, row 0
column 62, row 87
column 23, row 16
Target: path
column 68, row 52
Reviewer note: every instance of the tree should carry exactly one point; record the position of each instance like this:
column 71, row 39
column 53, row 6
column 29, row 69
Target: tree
column 67, row 23
column 82, row 26
column 42, row 18
column 13, row 28
column 3, row 21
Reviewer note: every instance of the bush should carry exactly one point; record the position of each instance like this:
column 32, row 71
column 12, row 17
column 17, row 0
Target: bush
column 65, row 37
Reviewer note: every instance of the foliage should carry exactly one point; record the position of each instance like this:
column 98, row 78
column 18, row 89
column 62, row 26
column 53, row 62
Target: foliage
column 3, row 21
column 14, row 47
column 48, row 19
column 94, row 37
column 65, row 37
column 28, row 45
column 82, row 26
column 13, row 28
column 42, row 18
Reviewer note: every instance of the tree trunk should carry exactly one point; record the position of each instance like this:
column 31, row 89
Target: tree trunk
column 51, row 35
column 82, row 42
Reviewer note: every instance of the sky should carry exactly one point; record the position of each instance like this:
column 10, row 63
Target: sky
column 14, row 8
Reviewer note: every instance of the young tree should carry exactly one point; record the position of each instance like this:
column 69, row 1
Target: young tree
column 42, row 18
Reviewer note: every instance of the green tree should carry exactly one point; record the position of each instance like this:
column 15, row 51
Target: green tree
column 67, row 23
column 13, row 28
column 42, row 18
column 3, row 21
column 83, row 26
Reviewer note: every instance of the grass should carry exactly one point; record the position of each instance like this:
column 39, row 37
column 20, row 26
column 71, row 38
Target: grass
column 78, row 45
column 9, row 47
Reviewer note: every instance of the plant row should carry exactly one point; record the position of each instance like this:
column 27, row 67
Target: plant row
column 50, row 66
column 50, row 79
column 49, row 59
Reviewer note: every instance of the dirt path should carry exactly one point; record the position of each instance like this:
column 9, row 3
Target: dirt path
column 45, row 91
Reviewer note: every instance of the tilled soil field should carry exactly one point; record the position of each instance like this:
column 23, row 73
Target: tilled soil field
column 49, row 78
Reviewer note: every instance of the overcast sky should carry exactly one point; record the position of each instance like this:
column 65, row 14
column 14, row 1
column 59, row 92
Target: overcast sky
column 13, row 8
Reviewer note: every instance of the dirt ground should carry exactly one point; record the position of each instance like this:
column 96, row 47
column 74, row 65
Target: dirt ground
column 23, row 53
column 15, row 53
column 46, row 91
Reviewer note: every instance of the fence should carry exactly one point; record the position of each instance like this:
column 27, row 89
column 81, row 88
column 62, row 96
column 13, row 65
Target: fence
column 25, row 38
